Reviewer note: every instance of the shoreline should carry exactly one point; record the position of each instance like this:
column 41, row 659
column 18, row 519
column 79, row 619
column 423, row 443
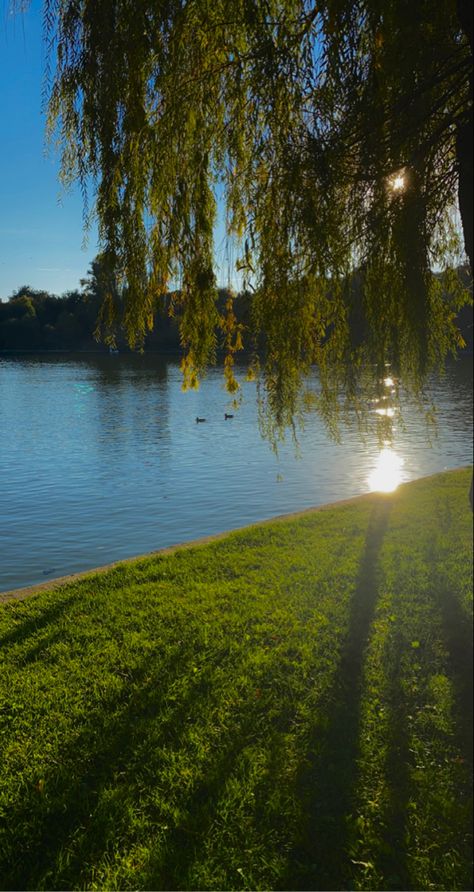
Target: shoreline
column 166, row 351
column 20, row 594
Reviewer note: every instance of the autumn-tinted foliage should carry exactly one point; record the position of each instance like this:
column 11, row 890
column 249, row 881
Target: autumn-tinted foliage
column 334, row 134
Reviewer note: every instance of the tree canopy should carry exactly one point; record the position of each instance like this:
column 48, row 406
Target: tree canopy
column 335, row 137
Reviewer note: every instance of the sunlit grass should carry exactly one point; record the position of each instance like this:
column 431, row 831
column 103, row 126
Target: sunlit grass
column 287, row 708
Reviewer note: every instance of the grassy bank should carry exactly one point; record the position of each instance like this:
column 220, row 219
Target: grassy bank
column 287, row 708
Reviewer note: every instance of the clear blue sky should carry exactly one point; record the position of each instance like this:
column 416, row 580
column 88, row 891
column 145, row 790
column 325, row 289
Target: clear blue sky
column 41, row 230
column 41, row 226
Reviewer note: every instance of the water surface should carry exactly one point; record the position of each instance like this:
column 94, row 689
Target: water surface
column 101, row 458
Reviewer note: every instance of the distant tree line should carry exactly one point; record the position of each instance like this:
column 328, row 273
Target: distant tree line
column 37, row 320
column 80, row 320
column 32, row 319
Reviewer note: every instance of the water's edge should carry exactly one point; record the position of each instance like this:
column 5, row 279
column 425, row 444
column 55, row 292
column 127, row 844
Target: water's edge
column 101, row 459
column 20, row 594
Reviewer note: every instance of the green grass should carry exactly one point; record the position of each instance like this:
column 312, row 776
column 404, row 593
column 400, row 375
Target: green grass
column 287, row 708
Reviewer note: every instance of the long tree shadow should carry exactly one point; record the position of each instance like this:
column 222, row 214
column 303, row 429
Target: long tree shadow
column 392, row 859
column 60, row 804
column 320, row 858
column 392, row 854
column 457, row 627
column 105, row 746
column 117, row 751
column 75, row 827
column 169, row 867
column 459, row 643
column 40, row 619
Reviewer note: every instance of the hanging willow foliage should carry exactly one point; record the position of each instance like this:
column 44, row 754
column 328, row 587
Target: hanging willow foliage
column 328, row 129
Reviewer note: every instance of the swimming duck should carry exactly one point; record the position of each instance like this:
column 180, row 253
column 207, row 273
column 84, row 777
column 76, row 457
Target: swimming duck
column 199, row 420
column 226, row 416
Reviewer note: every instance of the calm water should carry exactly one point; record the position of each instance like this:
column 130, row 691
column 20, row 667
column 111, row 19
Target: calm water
column 101, row 459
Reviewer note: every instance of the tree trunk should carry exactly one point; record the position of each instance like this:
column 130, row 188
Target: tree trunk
column 464, row 143
column 465, row 188
column 464, row 150
column 465, row 16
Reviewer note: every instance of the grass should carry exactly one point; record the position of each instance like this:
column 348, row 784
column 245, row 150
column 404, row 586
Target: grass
column 287, row 708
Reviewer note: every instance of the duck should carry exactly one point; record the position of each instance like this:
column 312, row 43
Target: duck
column 199, row 420
column 226, row 416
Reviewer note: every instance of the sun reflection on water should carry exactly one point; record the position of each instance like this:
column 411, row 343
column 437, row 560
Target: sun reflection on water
column 387, row 413
column 387, row 474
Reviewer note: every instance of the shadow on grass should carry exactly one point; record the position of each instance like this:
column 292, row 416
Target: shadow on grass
column 40, row 620
column 81, row 814
column 320, row 859
column 104, row 750
column 169, row 865
column 112, row 783
column 391, row 851
column 457, row 627
column 457, row 630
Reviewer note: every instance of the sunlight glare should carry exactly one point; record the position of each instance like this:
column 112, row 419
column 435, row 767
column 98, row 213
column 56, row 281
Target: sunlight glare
column 398, row 183
column 387, row 474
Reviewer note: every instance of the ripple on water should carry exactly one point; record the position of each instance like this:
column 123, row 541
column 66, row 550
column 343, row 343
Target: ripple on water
column 101, row 459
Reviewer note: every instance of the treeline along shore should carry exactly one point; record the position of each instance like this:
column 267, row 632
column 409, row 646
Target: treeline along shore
column 35, row 320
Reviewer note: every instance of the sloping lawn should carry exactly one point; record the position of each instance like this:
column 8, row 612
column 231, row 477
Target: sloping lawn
column 287, row 708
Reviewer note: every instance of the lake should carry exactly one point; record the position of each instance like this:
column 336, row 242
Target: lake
column 101, row 459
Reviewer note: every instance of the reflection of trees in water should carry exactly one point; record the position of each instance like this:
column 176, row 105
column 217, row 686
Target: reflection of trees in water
column 452, row 394
column 132, row 403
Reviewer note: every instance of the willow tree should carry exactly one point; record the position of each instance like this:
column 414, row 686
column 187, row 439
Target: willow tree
column 334, row 138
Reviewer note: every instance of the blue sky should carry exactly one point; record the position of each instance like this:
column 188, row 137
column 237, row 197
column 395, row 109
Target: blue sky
column 41, row 225
column 41, row 229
